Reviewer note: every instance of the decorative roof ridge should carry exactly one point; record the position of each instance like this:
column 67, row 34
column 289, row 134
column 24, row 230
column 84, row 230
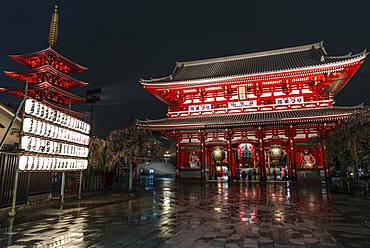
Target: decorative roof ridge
column 345, row 60
column 27, row 55
column 142, row 80
column 317, row 45
column 250, row 113
column 46, row 50
column 48, row 68
column 349, row 55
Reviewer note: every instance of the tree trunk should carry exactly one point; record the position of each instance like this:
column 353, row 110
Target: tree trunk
column 355, row 156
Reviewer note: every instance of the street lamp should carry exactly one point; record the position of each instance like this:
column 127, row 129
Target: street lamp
column 92, row 97
column 167, row 156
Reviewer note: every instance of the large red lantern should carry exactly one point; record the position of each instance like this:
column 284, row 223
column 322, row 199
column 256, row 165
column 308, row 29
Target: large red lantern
column 245, row 151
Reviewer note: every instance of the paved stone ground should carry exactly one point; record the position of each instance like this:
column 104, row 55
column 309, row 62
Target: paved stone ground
column 193, row 214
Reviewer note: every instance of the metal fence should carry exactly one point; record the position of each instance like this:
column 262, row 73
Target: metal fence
column 8, row 165
column 36, row 183
column 30, row 183
column 91, row 183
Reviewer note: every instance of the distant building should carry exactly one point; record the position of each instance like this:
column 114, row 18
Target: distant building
column 158, row 168
column 6, row 116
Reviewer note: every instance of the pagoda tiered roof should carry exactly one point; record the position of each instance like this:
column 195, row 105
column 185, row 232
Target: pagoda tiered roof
column 256, row 119
column 46, row 73
column 49, row 57
column 76, row 114
column 46, row 76
column 47, row 91
column 312, row 56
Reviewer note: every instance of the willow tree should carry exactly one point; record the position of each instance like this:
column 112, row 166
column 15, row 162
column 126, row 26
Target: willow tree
column 349, row 144
column 125, row 146
column 98, row 154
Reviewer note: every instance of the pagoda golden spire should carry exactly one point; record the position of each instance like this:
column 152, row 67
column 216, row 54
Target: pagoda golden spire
column 53, row 33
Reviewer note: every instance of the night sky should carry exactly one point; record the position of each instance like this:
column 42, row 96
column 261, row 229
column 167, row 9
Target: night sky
column 123, row 40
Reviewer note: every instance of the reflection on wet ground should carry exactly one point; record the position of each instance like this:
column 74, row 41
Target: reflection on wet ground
column 168, row 213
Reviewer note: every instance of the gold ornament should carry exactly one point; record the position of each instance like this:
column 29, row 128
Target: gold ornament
column 218, row 155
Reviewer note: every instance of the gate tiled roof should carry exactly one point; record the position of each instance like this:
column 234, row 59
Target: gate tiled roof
column 270, row 118
column 299, row 57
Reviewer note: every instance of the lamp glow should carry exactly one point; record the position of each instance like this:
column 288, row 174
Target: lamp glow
column 40, row 128
column 42, row 111
column 38, row 145
column 40, row 163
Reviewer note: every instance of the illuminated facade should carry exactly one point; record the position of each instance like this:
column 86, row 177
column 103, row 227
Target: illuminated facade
column 48, row 80
column 258, row 112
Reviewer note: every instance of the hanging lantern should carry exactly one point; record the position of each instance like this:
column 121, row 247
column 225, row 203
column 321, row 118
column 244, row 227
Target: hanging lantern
column 42, row 111
column 276, row 154
column 245, row 152
column 44, row 129
column 36, row 163
column 218, row 155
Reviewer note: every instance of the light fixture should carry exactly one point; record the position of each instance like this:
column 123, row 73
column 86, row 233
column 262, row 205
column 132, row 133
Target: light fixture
column 42, row 111
column 44, row 129
column 41, row 163
column 38, row 145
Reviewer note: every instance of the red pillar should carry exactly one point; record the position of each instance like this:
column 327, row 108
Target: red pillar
column 260, row 135
column 233, row 162
column 209, row 160
column 292, row 170
column 262, row 163
column 325, row 164
column 202, row 156
column 231, row 165
column 290, row 158
column 178, row 155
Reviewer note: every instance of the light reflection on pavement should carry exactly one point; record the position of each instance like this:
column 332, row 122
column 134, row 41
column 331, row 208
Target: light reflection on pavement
column 168, row 213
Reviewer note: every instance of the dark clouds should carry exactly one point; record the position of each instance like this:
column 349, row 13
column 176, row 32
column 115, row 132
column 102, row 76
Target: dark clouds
column 121, row 41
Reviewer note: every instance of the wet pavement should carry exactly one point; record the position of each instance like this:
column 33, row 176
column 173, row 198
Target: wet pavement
column 167, row 213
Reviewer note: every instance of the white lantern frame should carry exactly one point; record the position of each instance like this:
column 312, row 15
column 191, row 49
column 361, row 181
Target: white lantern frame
column 42, row 111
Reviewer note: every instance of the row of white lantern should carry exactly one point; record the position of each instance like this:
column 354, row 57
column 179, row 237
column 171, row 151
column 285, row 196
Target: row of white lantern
column 47, row 113
column 51, row 131
column 36, row 163
column 34, row 144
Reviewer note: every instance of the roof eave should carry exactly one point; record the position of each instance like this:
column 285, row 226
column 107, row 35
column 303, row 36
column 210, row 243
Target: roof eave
column 78, row 67
column 316, row 45
column 359, row 57
column 49, row 68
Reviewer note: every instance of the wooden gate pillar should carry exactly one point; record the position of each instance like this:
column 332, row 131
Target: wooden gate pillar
column 325, row 164
column 260, row 135
column 232, row 166
column 292, row 170
column 178, row 138
column 202, row 138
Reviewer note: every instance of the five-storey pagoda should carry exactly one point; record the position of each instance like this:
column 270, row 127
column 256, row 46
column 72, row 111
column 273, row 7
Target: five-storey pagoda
column 254, row 113
column 48, row 75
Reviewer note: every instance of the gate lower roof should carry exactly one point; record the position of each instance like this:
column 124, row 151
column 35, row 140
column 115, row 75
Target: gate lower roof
column 258, row 119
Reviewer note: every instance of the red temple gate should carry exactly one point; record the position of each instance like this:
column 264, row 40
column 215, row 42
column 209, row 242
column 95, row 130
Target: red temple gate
column 277, row 101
